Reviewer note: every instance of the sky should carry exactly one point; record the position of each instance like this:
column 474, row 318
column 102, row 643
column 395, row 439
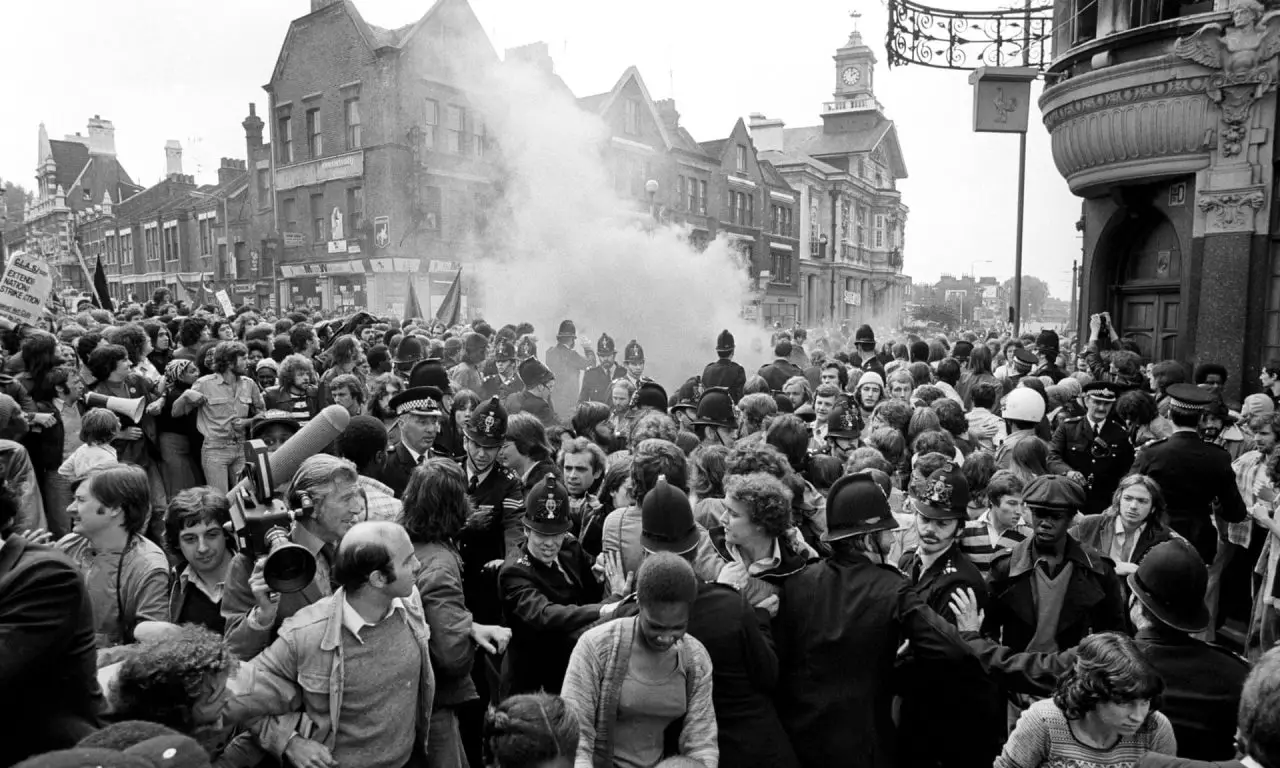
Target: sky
column 185, row 70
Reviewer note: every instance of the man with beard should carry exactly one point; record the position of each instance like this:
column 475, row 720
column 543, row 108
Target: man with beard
column 227, row 398
column 724, row 372
column 1094, row 450
column 866, row 396
column 505, row 382
column 597, row 380
column 952, row 715
column 535, row 399
column 567, row 365
column 419, row 411
column 633, row 358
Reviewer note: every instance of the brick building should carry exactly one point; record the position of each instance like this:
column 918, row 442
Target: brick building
column 851, row 216
column 381, row 166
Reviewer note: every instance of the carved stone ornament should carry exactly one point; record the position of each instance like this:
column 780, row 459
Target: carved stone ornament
column 1231, row 210
column 1245, row 54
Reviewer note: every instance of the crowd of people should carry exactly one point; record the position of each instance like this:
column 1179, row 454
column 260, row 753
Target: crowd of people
column 958, row 549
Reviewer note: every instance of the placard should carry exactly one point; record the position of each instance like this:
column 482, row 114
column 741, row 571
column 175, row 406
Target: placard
column 225, row 301
column 26, row 283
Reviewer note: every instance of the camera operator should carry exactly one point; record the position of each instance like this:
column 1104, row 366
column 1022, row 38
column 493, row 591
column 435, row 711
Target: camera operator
column 252, row 611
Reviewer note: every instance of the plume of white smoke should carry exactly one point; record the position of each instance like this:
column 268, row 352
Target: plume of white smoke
column 561, row 244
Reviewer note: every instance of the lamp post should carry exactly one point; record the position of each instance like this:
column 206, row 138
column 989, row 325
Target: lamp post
column 822, row 254
column 651, row 187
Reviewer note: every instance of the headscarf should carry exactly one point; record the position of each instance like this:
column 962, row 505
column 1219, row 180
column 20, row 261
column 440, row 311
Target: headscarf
column 176, row 369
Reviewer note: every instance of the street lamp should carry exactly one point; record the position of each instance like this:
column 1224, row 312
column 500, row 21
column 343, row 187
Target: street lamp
column 973, row 267
column 651, row 187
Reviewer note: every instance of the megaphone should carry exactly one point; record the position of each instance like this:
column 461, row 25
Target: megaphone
column 133, row 407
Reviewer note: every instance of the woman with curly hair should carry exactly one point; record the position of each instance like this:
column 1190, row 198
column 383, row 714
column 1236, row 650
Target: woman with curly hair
column 436, row 508
column 179, row 681
column 530, row 730
column 1102, row 712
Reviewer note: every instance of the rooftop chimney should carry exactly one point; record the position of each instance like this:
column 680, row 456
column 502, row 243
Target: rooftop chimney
column 537, row 54
column 252, row 129
column 766, row 134
column 102, row 136
column 667, row 111
column 229, row 169
column 172, row 158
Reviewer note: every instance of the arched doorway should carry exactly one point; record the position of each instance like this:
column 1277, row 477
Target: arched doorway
column 1146, row 290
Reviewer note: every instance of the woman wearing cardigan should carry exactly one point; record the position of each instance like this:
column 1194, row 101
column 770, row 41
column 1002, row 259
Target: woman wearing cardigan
column 641, row 687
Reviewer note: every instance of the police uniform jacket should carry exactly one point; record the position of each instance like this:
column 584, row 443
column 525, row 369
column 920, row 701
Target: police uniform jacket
column 777, row 373
column 547, row 608
column 725, row 373
column 494, row 531
column 1052, row 371
column 871, row 362
column 1093, row 601
column 838, row 629
column 1073, row 447
column 952, row 714
column 495, row 386
column 398, row 466
column 566, row 365
column 1193, row 474
column 530, row 403
column 596, row 383
column 744, row 676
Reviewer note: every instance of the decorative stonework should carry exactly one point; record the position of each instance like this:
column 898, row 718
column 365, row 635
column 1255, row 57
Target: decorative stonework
column 1243, row 54
column 1231, row 210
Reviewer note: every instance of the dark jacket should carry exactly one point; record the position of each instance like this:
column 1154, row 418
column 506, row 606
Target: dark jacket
column 725, row 373
column 838, row 630
column 493, row 385
column 952, row 714
column 493, row 532
column 547, row 609
column 597, row 381
column 45, row 444
column 744, row 676
column 398, row 466
column 1099, row 531
column 1092, row 603
column 1193, row 475
column 777, row 373
column 439, row 579
column 530, row 403
column 48, row 667
column 1102, row 458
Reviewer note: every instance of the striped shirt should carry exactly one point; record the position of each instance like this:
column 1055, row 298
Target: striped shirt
column 976, row 542
column 1043, row 737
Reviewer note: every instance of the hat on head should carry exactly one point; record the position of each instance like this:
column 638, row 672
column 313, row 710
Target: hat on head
column 1187, row 398
column 725, row 342
column 1256, row 404
column 634, row 352
column 864, row 335
column 1047, row 340
column 526, row 346
column 650, row 394
column 504, row 351
column 409, row 352
column 945, row 495
column 567, row 330
column 784, row 403
column 1102, row 391
column 171, row 752
column 1024, row 404
column 605, row 346
column 546, row 507
column 844, row 423
column 87, row 757
column 716, row 409
column 273, row 418
column 533, row 373
column 431, row 373
column 1171, row 582
column 856, row 505
column 267, row 362
column 1023, row 361
column 487, row 424
column 687, row 395
column 871, row 377
column 418, row 401
column 962, row 350
column 1054, row 492
column 666, row 520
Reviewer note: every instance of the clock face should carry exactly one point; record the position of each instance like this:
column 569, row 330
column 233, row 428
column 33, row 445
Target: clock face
column 850, row 75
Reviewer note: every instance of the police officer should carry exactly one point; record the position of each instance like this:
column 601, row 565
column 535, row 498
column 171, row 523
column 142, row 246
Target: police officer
column 1192, row 474
column 549, row 594
column 506, row 381
column 418, row 412
column 839, row 625
column 716, row 422
column 724, row 372
column 1047, row 346
column 1094, row 449
column 495, row 530
column 864, row 340
column 598, row 380
column 567, row 365
column 633, row 358
column 951, row 715
column 535, row 398
column 844, row 428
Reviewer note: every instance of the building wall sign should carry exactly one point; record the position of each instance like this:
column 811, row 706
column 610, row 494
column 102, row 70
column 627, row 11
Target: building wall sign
column 294, row 239
column 853, row 298
column 319, row 171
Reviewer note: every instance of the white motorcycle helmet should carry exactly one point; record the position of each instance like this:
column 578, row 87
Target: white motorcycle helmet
column 1024, row 404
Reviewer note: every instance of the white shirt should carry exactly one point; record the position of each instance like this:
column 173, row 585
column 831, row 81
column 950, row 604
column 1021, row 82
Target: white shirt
column 417, row 457
column 1122, row 545
column 354, row 622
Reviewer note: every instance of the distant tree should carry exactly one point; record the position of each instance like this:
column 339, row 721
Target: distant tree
column 15, row 199
column 1034, row 293
column 934, row 313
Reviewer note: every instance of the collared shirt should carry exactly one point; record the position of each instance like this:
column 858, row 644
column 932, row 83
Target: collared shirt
column 223, row 403
column 418, row 458
column 380, row 500
column 211, row 591
column 760, row 566
column 1122, row 545
column 927, row 561
column 353, row 622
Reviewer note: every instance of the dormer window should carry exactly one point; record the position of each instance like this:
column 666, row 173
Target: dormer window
column 631, row 118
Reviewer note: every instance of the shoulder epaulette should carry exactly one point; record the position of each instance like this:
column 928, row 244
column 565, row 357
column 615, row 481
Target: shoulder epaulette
column 1069, row 419
column 523, row 560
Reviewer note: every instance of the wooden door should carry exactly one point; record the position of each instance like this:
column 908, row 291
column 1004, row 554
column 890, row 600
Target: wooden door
column 1151, row 320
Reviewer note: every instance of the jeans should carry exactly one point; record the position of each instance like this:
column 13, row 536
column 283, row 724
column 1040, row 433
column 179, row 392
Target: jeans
column 444, row 740
column 57, row 497
column 221, row 462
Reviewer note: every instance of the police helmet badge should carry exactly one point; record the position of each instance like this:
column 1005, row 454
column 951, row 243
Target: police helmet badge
column 489, row 421
column 549, row 507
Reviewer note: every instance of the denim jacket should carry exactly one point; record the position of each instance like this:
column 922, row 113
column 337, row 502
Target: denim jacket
column 303, row 671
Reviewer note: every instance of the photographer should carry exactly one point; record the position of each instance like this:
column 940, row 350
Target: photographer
column 333, row 503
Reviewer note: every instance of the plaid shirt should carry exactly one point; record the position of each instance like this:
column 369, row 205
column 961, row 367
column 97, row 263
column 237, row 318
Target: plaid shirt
column 380, row 500
column 1251, row 477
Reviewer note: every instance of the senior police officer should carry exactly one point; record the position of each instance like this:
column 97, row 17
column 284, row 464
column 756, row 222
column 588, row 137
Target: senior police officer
column 1094, row 449
column 724, row 372
column 418, row 412
column 1194, row 475
column 598, row 380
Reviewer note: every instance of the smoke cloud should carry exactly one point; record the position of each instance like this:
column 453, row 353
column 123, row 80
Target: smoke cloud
column 561, row 244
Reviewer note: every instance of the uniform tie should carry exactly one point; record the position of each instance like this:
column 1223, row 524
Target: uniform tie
column 421, row 458
column 473, row 485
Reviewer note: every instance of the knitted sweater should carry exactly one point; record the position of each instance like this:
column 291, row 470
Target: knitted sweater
column 1043, row 737
column 593, row 685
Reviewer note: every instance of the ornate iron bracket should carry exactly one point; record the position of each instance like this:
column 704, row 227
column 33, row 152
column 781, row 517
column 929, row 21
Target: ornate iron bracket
column 936, row 37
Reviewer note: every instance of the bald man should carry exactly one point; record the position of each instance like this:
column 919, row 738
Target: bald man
column 383, row 669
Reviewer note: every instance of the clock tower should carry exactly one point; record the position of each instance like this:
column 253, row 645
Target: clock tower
column 855, row 68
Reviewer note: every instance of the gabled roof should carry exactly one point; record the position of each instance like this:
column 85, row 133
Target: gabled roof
column 715, row 147
column 771, row 175
column 70, row 157
column 592, row 103
column 78, row 170
column 788, row 157
column 867, row 132
column 685, row 141
column 603, row 106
